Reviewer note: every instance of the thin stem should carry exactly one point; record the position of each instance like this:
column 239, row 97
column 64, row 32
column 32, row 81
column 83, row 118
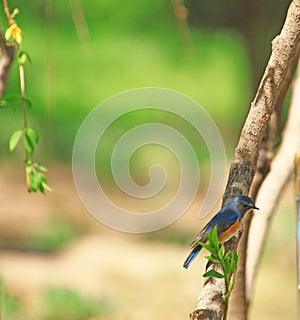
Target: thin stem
column 7, row 12
column 22, row 87
column 227, row 287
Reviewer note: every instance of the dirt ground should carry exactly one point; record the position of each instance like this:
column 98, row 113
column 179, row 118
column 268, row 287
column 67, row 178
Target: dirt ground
column 142, row 278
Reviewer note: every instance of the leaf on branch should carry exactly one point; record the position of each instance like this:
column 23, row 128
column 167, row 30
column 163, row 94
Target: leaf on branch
column 212, row 259
column 234, row 261
column 40, row 167
column 34, row 181
column 23, row 57
column 221, row 252
column 213, row 273
column 37, row 180
column 214, row 237
column 13, row 101
column 14, row 139
column 29, row 144
column 228, row 264
column 207, row 246
column 27, row 102
column 32, row 133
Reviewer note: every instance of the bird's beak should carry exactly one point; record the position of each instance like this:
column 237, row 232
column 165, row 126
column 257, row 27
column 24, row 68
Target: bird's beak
column 256, row 208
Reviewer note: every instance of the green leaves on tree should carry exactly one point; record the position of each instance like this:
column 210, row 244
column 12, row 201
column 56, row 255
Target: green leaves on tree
column 35, row 172
column 31, row 138
column 227, row 260
column 36, row 176
column 15, row 102
column 36, row 179
column 213, row 273
column 14, row 139
column 23, row 57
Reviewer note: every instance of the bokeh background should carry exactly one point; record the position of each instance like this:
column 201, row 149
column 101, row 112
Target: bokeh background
column 57, row 262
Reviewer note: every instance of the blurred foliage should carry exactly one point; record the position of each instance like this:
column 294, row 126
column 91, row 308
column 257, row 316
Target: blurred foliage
column 65, row 304
column 169, row 235
column 54, row 236
column 131, row 46
column 10, row 305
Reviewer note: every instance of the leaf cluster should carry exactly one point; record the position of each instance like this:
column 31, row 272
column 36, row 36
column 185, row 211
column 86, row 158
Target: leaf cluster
column 228, row 260
column 36, row 176
column 35, row 172
column 30, row 139
column 36, row 179
column 15, row 102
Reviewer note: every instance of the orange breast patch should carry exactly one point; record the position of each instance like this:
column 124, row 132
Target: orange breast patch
column 229, row 233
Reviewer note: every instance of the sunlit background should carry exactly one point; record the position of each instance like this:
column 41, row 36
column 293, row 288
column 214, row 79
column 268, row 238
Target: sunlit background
column 57, row 262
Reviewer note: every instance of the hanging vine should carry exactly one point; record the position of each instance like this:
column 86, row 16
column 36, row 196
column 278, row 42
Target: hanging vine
column 35, row 172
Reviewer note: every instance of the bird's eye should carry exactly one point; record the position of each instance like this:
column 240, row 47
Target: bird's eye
column 245, row 205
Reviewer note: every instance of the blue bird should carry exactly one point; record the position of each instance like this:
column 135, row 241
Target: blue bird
column 227, row 221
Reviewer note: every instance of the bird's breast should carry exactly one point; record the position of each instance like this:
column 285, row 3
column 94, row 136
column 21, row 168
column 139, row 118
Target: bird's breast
column 230, row 232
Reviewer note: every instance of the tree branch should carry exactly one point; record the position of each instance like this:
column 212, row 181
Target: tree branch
column 285, row 49
column 240, row 299
column 271, row 189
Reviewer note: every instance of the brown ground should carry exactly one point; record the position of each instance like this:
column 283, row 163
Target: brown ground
column 143, row 279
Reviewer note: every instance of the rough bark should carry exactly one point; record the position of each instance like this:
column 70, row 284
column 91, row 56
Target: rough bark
column 285, row 49
column 240, row 298
column 271, row 189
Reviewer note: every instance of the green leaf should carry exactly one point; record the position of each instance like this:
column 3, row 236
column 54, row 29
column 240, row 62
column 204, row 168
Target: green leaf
column 34, row 181
column 213, row 273
column 13, row 101
column 234, row 261
column 235, row 256
column 214, row 237
column 221, row 252
column 205, row 245
column 40, row 167
column 28, row 162
column 212, row 259
column 46, row 187
column 28, row 168
column 43, row 183
column 23, row 57
column 33, row 134
column 29, row 144
column 14, row 139
column 228, row 266
column 27, row 102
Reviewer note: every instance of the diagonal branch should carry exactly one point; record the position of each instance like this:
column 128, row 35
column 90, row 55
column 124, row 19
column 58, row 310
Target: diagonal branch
column 285, row 49
column 240, row 299
column 271, row 189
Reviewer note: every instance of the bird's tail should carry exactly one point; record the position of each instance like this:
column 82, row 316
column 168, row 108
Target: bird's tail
column 192, row 256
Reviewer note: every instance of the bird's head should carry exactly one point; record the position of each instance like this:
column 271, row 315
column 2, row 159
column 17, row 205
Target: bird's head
column 244, row 204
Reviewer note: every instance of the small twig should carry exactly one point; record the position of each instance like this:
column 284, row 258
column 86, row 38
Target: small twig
column 7, row 12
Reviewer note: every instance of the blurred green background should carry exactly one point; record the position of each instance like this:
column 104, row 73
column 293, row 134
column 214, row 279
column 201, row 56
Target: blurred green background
column 139, row 44
column 82, row 53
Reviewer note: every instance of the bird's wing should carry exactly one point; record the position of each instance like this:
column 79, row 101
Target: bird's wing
column 224, row 219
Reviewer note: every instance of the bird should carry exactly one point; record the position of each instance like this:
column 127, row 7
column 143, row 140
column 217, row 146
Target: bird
column 228, row 222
